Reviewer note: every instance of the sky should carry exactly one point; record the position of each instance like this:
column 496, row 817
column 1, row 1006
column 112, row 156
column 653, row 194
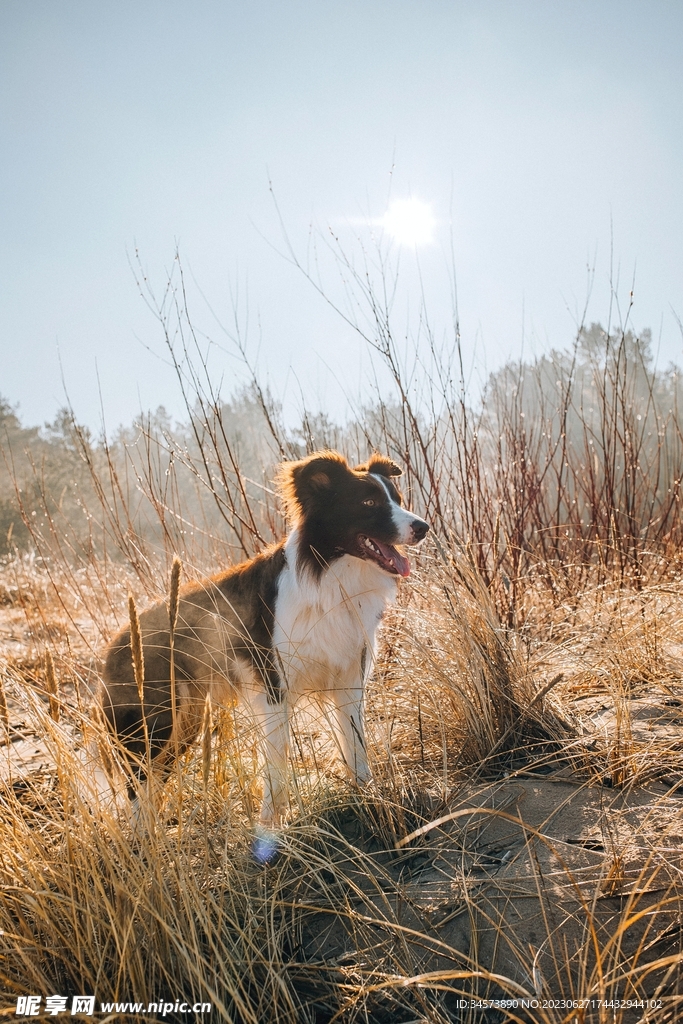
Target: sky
column 545, row 138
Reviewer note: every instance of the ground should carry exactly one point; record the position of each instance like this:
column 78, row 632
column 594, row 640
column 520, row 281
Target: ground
column 554, row 876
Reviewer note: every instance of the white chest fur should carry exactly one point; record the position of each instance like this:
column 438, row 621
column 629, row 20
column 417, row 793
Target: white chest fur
column 322, row 627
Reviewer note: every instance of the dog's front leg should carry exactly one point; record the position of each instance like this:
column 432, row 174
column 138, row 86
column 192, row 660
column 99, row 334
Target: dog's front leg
column 273, row 721
column 350, row 731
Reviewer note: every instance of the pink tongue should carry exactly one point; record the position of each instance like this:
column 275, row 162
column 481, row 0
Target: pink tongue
column 401, row 563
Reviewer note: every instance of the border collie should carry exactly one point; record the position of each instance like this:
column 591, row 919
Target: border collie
column 300, row 618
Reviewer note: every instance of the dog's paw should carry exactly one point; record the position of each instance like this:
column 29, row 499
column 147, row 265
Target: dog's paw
column 266, row 846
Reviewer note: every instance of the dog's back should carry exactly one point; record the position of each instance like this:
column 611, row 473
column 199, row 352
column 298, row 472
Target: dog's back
column 222, row 638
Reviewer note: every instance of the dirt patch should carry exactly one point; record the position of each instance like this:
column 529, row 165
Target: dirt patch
column 546, row 882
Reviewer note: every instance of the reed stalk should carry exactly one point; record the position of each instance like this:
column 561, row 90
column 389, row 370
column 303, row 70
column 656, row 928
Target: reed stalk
column 138, row 658
column 52, row 686
column 4, row 714
column 173, row 604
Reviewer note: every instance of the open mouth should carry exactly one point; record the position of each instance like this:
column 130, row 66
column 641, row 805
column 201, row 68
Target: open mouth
column 386, row 556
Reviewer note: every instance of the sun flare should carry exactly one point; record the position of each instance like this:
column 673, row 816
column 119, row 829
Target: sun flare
column 410, row 222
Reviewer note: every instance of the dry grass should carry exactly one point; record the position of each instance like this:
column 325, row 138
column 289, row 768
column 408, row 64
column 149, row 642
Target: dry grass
column 522, row 836
column 555, row 874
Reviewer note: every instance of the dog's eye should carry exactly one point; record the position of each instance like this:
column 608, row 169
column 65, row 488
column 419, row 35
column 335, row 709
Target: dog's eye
column 369, row 502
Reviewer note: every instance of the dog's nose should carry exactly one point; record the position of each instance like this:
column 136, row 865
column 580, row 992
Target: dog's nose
column 419, row 528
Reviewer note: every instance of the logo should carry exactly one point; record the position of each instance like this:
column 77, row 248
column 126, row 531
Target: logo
column 83, row 1004
column 29, row 1006
column 55, row 1005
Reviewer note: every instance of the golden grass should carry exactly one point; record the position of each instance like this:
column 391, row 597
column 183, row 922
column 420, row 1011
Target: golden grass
column 552, row 758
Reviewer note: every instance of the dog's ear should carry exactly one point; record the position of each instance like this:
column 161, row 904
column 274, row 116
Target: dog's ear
column 303, row 483
column 380, row 464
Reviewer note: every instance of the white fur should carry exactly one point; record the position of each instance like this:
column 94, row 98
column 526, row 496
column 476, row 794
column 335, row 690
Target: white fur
column 403, row 519
column 322, row 629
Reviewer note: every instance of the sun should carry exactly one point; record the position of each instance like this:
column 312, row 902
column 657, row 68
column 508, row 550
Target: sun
column 410, row 222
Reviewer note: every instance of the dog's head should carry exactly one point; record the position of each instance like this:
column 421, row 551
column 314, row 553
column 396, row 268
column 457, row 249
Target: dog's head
column 343, row 511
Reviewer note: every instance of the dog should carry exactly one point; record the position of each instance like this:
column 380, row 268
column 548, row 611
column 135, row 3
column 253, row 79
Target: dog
column 298, row 619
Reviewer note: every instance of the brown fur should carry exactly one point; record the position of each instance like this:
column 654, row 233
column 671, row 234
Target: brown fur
column 222, row 634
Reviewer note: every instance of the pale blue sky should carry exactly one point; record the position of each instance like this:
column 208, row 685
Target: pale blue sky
column 540, row 124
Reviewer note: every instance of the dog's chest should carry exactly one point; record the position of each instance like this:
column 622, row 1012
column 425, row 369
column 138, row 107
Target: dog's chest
column 321, row 628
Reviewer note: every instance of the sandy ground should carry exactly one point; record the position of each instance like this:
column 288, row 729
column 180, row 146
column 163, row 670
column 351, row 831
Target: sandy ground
column 559, row 866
